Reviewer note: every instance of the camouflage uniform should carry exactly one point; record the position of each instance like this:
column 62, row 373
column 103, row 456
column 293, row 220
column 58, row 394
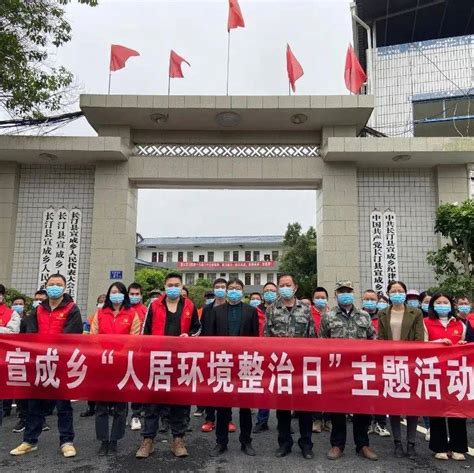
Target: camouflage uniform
column 281, row 322
column 338, row 324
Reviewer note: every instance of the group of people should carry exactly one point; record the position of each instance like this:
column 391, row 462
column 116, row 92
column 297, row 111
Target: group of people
column 401, row 314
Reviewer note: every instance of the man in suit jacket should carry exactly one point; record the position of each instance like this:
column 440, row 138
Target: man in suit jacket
column 233, row 319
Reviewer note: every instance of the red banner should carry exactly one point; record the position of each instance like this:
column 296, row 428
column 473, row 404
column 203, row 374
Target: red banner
column 372, row 377
column 226, row 264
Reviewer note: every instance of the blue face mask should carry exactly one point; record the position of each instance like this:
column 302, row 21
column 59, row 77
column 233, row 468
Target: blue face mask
column 424, row 307
column 117, row 298
column 234, row 295
column 369, row 305
column 382, row 305
column 442, row 310
column 173, row 292
column 269, row 297
column 346, row 298
column 398, row 298
column 36, row 304
column 255, row 302
column 55, row 292
column 208, row 301
column 320, row 303
column 135, row 299
column 220, row 293
column 18, row 309
column 413, row 303
column 464, row 308
column 286, row 292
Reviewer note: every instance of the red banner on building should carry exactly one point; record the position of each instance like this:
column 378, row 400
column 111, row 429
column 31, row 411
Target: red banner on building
column 372, row 377
column 226, row 264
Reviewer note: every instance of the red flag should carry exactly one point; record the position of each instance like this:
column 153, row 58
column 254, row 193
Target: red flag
column 354, row 75
column 175, row 65
column 235, row 15
column 119, row 55
column 295, row 71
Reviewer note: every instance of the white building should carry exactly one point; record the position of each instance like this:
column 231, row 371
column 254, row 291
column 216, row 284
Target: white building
column 253, row 259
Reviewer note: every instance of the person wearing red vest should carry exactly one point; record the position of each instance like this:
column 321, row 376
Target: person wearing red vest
column 170, row 315
column 464, row 308
column 9, row 319
column 257, row 302
column 442, row 326
column 117, row 317
column 135, row 292
column 56, row 315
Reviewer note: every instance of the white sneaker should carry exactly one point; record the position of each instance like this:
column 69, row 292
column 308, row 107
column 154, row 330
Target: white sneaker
column 427, row 435
column 381, row 431
column 135, row 424
column 458, row 456
column 441, row 456
column 371, row 429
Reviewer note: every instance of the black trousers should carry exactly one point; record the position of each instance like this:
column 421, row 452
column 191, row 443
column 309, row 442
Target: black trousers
column 285, row 439
column 360, row 426
column 210, row 414
column 224, row 416
column 137, row 409
column 177, row 420
column 22, row 408
column 439, row 435
column 118, row 411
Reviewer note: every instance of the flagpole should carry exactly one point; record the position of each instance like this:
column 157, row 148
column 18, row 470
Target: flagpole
column 228, row 62
column 169, row 85
column 289, row 88
column 110, row 77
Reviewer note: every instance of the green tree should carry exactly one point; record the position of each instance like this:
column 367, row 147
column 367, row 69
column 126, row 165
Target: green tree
column 299, row 258
column 12, row 294
column 29, row 85
column 150, row 278
column 453, row 263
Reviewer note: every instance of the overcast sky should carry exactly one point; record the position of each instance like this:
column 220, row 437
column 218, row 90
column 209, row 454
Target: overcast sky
column 318, row 32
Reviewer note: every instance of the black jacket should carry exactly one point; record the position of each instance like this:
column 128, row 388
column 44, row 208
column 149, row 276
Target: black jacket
column 73, row 322
column 218, row 322
column 469, row 333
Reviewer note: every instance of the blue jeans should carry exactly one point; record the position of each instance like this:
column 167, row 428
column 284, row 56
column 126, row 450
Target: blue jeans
column 263, row 416
column 35, row 418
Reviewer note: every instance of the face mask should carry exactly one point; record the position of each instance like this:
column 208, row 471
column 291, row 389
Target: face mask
column 442, row 310
column 424, row 307
column 117, row 298
column 100, row 305
column 286, row 292
column 2, row 298
column 398, row 298
column 464, row 308
column 269, row 297
column 36, row 304
column 234, row 295
column 254, row 302
column 209, row 301
column 220, row 293
column 54, row 292
column 369, row 305
column 382, row 305
column 413, row 303
column 18, row 309
column 346, row 298
column 173, row 292
column 135, row 299
column 320, row 303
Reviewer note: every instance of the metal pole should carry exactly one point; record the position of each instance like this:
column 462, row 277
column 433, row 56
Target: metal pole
column 228, row 62
column 110, row 76
column 169, row 85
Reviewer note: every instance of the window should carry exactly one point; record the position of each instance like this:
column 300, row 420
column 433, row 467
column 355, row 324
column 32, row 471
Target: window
column 256, row 279
column 226, row 255
column 248, row 279
column 256, row 255
column 248, row 256
column 161, row 257
column 189, row 278
column 210, row 256
column 233, row 275
column 235, row 256
column 201, row 258
column 211, row 276
column 153, row 256
column 266, row 257
column 189, row 256
column 270, row 277
column 180, row 256
column 169, row 256
column 201, row 276
column 275, row 254
column 222, row 275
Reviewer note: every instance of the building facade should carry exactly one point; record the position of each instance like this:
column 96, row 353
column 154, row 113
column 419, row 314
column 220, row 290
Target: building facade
column 252, row 259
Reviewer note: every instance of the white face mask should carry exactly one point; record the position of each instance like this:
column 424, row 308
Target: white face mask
column 2, row 298
column 100, row 306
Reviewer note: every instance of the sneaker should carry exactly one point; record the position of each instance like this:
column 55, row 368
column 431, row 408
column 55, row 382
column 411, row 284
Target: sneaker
column 135, row 424
column 68, row 450
column 146, row 449
column 232, row 428
column 45, row 427
column 441, row 456
column 208, row 426
column 19, row 427
column 178, row 447
column 260, row 427
column 327, row 426
column 23, row 448
column 457, row 456
column 112, row 450
column 104, row 448
column 371, row 429
column 381, row 431
column 199, row 412
column 317, row 427
column 87, row 413
column 427, row 435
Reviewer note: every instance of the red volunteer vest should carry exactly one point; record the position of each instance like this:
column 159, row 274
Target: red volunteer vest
column 470, row 319
column 316, row 318
column 120, row 324
column 159, row 316
column 436, row 330
column 52, row 322
column 261, row 321
column 375, row 323
column 5, row 315
column 141, row 310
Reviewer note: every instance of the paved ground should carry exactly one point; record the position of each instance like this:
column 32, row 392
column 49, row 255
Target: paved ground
column 48, row 459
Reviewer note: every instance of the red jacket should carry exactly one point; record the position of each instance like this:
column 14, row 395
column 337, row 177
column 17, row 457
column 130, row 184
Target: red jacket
column 316, row 318
column 141, row 310
column 5, row 315
column 125, row 322
column 53, row 321
column 158, row 308
column 470, row 319
column 436, row 330
column 261, row 312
